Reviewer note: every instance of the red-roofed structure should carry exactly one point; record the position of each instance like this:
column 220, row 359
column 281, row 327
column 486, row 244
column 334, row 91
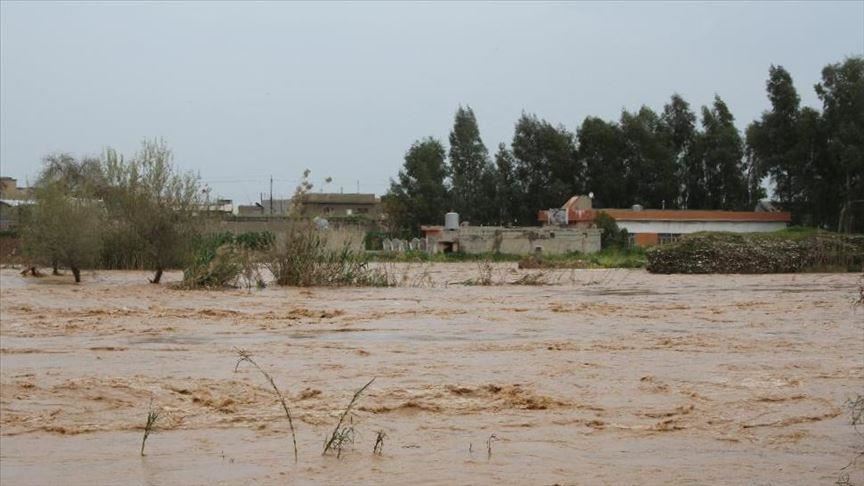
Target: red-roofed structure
column 653, row 226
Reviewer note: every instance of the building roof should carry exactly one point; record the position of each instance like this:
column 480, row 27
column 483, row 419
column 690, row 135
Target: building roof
column 339, row 198
column 585, row 215
column 16, row 202
column 695, row 215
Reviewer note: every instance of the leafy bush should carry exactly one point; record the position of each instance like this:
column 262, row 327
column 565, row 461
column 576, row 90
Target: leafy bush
column 606, row 258
column 225, row 260
column 64, row 227
column 303, row 260
column 612, row 236
column 256, row 240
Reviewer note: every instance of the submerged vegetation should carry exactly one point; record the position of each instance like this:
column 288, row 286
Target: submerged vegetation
column 245, row 356
column 303, row 259
column 112, row 212
column 342, row 436
column 152, row 417
column 606, row 258
column 223, row 259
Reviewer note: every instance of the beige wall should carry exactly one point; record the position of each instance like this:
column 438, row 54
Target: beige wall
column 9, row 190
column 521, row 241
column 337, row 236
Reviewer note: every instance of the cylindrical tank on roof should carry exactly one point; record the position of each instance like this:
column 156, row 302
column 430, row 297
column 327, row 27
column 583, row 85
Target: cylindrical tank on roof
column 451, row 221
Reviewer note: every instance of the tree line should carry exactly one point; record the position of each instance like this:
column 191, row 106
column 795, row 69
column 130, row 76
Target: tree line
column 114, row 212
column 671, row 159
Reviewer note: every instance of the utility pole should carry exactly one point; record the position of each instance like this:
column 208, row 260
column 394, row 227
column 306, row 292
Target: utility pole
column 271, row 194
column 358, row 186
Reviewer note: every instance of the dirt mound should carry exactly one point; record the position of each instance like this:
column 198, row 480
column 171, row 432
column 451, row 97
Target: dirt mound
column 758, row 253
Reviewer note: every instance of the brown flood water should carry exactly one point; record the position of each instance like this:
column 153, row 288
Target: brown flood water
column 606, row 377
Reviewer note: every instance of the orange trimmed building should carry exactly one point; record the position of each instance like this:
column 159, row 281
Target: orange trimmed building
column 657, row 226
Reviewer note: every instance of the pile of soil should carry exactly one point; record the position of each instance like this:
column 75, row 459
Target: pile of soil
column 758, row 253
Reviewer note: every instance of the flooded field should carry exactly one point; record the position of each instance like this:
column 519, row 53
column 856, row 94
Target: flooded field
column 604, row 377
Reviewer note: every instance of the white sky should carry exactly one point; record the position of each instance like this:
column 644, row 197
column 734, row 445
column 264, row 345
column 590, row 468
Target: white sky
column 242, row 91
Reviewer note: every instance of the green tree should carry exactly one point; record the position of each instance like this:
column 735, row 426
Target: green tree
column 83, row 176
column 420, row 195
column 155, row 201
column 601, row 150
column 546, row 165
column 774, row 147
column 722, row 153
column 814, row 159
column 65, row 225
column 842, row 95
column 649, row 160
column 507, row 191
column 611, row 235
column 470, row 169
column 679, row 123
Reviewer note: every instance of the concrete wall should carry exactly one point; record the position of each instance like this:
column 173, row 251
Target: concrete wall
column 685, row 227
column 522, row 241
column 337, row 236
column 9, row 216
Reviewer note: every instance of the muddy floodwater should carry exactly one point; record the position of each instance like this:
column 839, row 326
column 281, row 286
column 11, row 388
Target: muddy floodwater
column 597, row 377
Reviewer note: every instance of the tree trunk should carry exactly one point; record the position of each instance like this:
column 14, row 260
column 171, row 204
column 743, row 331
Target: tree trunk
column 77, row 273
column 55, row 268
column 843, row 224
column 157, row 277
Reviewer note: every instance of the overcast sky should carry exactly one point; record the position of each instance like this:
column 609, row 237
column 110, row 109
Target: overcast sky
column 241, row 91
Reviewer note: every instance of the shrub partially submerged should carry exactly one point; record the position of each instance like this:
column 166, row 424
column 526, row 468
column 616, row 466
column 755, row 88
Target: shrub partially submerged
column 613, row 257
column 782, row 252
column 304, row 260
column 226, row 260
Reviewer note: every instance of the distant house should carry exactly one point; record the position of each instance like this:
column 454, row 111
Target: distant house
column 324, row 205
column 329, row 205
column 656, row 226
column 279, row 207
column 12, row 200
column 649, row 227
column 225, row 206
column 10, row 212
column 9, row 189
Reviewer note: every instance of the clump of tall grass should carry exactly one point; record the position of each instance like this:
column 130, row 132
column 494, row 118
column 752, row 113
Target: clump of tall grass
column 378, row 448
column 303, row 259
column 860, row 300
column 341, row 435
column 247, row 357
column 536, row 278
column 856, row 416
column 226, row 260
column 342, row 438
column 152, row 416
column 485, row 275
column 492, row 438
column 606, row 258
